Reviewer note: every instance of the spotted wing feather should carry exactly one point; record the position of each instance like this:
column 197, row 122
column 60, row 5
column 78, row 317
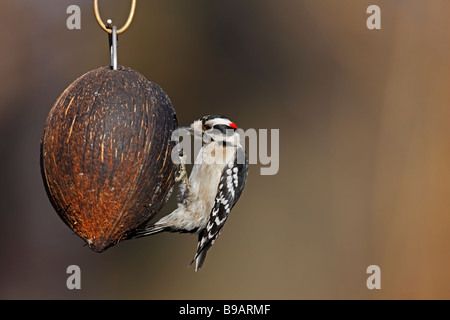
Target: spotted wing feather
column 230, row 188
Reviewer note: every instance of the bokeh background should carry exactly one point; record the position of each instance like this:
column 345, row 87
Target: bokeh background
column 364, row 146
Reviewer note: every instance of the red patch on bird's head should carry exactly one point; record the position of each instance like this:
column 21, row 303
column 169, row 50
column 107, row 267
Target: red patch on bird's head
column 232, row 125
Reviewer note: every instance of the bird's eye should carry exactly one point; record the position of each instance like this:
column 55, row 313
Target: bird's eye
column 207, row 127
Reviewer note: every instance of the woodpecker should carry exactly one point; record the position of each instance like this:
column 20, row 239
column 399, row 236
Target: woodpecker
column 215, row 184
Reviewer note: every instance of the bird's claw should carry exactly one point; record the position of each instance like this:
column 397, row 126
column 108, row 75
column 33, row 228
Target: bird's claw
column 182, row 172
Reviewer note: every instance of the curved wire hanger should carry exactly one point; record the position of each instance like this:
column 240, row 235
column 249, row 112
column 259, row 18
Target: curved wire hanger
column 105, row 27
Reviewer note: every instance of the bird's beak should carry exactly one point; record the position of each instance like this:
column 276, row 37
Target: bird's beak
column 188, row 129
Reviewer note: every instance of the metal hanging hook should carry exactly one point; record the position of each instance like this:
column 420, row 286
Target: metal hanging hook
column 125, row 26
column 112, row 43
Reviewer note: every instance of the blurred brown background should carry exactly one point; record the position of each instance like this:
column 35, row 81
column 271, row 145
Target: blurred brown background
column 364, row 146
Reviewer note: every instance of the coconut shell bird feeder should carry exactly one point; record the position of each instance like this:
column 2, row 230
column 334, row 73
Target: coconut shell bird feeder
column 106, row 150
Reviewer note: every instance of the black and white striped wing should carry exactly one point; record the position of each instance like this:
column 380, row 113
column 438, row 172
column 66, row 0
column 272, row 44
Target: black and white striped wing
column 230, row 188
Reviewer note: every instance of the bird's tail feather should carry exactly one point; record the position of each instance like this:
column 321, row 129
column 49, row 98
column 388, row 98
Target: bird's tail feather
column 148, row 230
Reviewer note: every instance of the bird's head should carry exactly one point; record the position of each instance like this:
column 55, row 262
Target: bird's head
column 216, row 128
